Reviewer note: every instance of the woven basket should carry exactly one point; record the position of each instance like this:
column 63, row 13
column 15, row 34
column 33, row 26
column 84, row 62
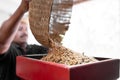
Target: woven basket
column 43, row 16
column 39, row 16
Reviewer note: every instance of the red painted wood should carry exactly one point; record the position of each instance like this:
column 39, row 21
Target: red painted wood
column 32, row 69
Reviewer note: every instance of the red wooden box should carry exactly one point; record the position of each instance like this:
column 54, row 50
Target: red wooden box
column 29, row 68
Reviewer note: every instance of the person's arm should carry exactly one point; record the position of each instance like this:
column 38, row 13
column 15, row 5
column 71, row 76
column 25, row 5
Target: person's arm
column 8, row 29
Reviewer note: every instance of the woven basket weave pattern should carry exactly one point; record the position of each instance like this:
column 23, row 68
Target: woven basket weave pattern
column 39, row 17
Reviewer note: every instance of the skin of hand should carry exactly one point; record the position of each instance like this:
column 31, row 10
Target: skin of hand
column 25, row 5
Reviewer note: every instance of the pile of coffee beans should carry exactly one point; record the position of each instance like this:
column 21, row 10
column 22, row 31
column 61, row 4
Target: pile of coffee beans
column 62, row 55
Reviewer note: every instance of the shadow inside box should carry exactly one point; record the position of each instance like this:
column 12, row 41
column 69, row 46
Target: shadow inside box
column 35, row 56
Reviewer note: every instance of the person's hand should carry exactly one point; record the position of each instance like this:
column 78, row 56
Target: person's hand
column 25, row 5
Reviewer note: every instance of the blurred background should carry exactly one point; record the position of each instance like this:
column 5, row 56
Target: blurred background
column 7, row 7
column 95, row 28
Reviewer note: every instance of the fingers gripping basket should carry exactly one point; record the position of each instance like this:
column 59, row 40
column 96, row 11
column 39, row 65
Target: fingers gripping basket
column 48, row 16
